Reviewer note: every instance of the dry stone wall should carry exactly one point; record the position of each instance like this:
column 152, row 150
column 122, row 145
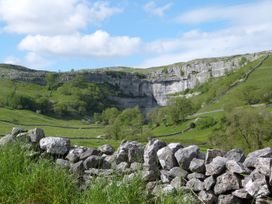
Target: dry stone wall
column 215, row 177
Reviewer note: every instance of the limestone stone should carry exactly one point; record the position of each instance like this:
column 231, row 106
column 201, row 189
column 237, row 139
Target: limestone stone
column 55, row 145
column 166, row 158
column 226, row 182
column 197, row 165
column 186, row 155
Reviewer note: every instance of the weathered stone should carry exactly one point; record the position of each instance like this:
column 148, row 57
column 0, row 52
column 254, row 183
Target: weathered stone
column 263, row 165
column 209, row 183
column 257, row 188
column 77, row 168
column 167, row 189
column 136, row 166
column 121, row 156
column 195, row 185
column 89, row 152
column 251, row 158
column 55, row 145
column 150, row 175
column 165, row 176
column 216, row 167
column 17, row 130
column 150, row 154
column 213, row 153
column 207, row 197
column 197, row 165
column 263, row 200
column 228, row 199
column 166, row 158
column 74, row 154
column 201, row 155
column 23, row 137
column 177, row 183
column 130, row 151
column 6, row 140
column 174, row 147
column 36, row 135
column 150, row 186
column 63, row 163
column 241, row 193
column 92, row 162
column 178, row 172
column 186, row 155
column 236, row 155
column 226, row 182
column 122, row 166
column 235, row 167
column 196, row 175
column 106, row 149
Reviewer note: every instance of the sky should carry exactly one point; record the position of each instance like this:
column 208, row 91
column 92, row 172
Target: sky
column 60, row 35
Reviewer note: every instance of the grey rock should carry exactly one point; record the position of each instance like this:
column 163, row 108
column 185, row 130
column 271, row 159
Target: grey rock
column 150, row 186
column 196, row 175
column 178, row 172
column 165, row 176
column 235, row 167
column 216, row 167
column 213, row 153
column 63, row 163
column 263, row 165
column 121, row 156
column 74, row 154
column 55, row 145
column 36, row 135
column 106, row 149
column 166, row 158
column 226, row 182
column 195, row 185
column 122, row 166
column 186, row 155
column 89, row 152
column 236, row 155
column 207, row 197
column 150, row 175
column 167, row 189
column 92, row 162
column 201, row 155
column 251, row 158
column 77, row 168
column 6, row 140
column 150, row 152
column 228, row 199
column 136, row 166
column 197, row 165
column 257, row 188
column 130, row 151
column 177, row 183
column 17, row 130
column 263, row 201
column 174, row 147
column 209, row 183
column 241, row 193
column 23, row 137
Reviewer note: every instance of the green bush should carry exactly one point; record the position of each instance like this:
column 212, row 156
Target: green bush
column 205, row 122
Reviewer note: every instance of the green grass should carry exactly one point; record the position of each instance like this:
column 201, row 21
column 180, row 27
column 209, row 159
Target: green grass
column 27, row 181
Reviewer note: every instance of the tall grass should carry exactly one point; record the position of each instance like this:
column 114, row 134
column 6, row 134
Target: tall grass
column 27, row 181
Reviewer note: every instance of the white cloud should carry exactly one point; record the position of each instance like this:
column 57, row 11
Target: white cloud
column 97, row 45
column 52, row 16
column 249, row 29
column 12, row 60
column 152, row 8
column 236, row 14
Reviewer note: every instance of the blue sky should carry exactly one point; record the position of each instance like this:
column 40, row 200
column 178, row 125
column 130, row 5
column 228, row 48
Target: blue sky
column 75, row 34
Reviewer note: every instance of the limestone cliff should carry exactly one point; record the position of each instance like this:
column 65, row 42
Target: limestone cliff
column 147, row 88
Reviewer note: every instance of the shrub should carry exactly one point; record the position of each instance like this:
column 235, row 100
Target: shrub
column 205, row 122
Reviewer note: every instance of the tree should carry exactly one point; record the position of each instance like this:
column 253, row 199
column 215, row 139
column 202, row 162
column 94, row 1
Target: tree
column 128, row 124
column 178, row 109
column 109, row 115
column 247, row 127
column 50, row 79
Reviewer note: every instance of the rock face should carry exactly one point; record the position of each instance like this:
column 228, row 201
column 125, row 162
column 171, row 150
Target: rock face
column 144, row 90
column 220, row 178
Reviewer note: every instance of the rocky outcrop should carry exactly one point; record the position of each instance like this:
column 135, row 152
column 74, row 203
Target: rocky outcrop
column 220, row 179
column 145, row 90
